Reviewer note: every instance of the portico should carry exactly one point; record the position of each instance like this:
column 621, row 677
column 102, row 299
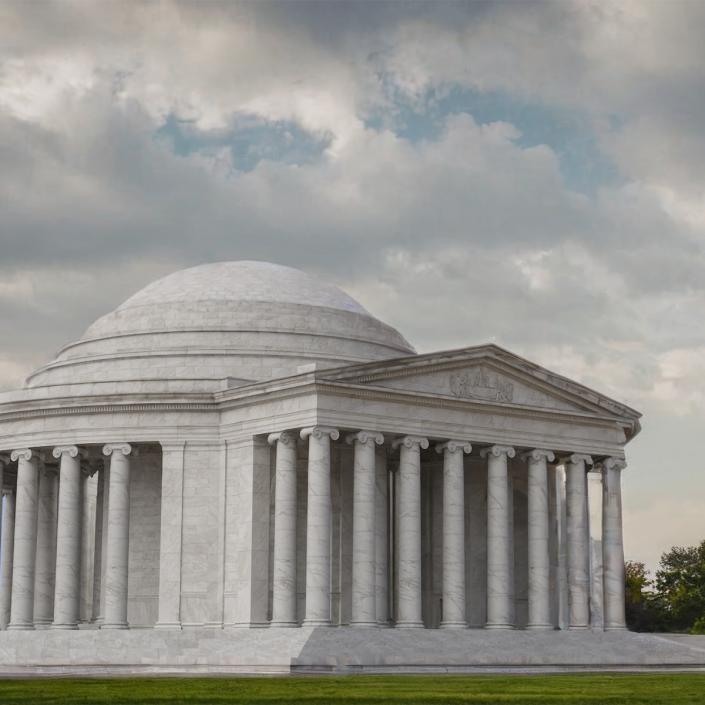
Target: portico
column 361, row 485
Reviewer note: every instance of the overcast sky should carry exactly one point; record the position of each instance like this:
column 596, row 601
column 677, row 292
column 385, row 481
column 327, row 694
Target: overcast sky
column 527, row 173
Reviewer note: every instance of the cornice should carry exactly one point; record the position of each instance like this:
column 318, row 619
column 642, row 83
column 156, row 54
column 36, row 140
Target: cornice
column 107, row 408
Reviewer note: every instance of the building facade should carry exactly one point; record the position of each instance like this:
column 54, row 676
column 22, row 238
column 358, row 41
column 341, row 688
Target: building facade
column 240, row 445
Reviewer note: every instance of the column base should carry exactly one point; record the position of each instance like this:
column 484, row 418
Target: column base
column 619, row 628
column 371, row 624
column 540, row 627
column 498, row 625
column 64, row 626
column 280, row 624
column 20, row 627
column 578, row 627
column 168, row 625
column 44, row 624
column 454, row 625
column 408, row 625
column 316, row 623
column 115, row 625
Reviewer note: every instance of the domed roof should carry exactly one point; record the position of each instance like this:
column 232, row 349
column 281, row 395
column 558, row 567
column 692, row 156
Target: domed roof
column 243, row 281
column 236, row 321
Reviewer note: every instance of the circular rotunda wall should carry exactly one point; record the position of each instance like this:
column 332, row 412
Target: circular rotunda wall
column 238, row 321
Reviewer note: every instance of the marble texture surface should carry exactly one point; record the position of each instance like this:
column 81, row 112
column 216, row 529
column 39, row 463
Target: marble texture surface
column 539, row 558
column 499, row 572
column 577, row 541
column 172, row 500
column 409, row 612
column 117, row 544
column 364, row 612
column 258, row 651
column 45, row 557
column 22, row 600
column 318, row 523
column 612, row 544
column 284, row 549
column 68, row 540
column 6, row 555
column 453, row 508
column 382, row 567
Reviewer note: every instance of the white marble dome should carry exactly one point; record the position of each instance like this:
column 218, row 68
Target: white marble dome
column 223, row 324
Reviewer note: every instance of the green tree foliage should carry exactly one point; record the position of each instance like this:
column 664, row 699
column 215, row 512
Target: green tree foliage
column 680, row 583
column 644, row 608
column 675, row 600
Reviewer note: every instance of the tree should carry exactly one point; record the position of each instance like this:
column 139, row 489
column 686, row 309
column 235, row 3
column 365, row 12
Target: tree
column 680, row 584
column 643, row 607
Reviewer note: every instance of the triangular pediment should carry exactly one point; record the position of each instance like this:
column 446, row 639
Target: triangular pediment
column 485, row 374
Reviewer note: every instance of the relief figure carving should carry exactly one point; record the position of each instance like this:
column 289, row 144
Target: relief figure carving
column 480, row 384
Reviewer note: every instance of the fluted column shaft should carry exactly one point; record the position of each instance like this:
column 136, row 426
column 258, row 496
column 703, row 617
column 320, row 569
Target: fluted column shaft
column 381, row 538
column 8, row 540
column 538, row 529
column 453, row 533
column 22, row 602
column 578, row 538
column 284, row 565
column 409, row 609
column 45, row 562
column 318, row 519
column 499, row 524
column 68, row 540
column 117, row 544
column 363, row 568
column 612, row 546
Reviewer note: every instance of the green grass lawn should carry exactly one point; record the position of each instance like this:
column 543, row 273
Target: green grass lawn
column 576, row 689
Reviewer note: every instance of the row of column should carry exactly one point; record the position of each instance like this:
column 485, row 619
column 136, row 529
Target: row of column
column 499, row 527
column 44, row 536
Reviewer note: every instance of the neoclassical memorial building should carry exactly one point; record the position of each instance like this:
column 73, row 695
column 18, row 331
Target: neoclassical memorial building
column 240, row 445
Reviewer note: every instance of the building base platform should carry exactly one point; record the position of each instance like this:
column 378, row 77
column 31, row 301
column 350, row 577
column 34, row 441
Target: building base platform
column 207, row 651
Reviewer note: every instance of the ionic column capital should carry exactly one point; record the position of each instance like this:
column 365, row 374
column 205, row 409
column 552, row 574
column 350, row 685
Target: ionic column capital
column 576, row 458
column 613, row 464
column 410, row 442
column 319, row 432
column 110, row 448
column 71, row 451
column 285, row 438
column 366, row 438
column 538, row 454
column 454, row 447
column 25, row 454
column 498, row 450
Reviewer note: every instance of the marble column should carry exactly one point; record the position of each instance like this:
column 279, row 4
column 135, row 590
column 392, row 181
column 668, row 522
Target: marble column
column 45, row 562
column 89, row 494
column 105, row 472
column 318, row 526
column 98, row 544
column 117, row 544
column 538, row 529
column 454, row 606
column 68, row 540
column 499, row 528
column 409, row 602
column 381, row 538
column 578, row 541
column 8, row 540
column 284, row 562
column 23, row 566
column 364, row 608
column 170, row 537
column 612, row 547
